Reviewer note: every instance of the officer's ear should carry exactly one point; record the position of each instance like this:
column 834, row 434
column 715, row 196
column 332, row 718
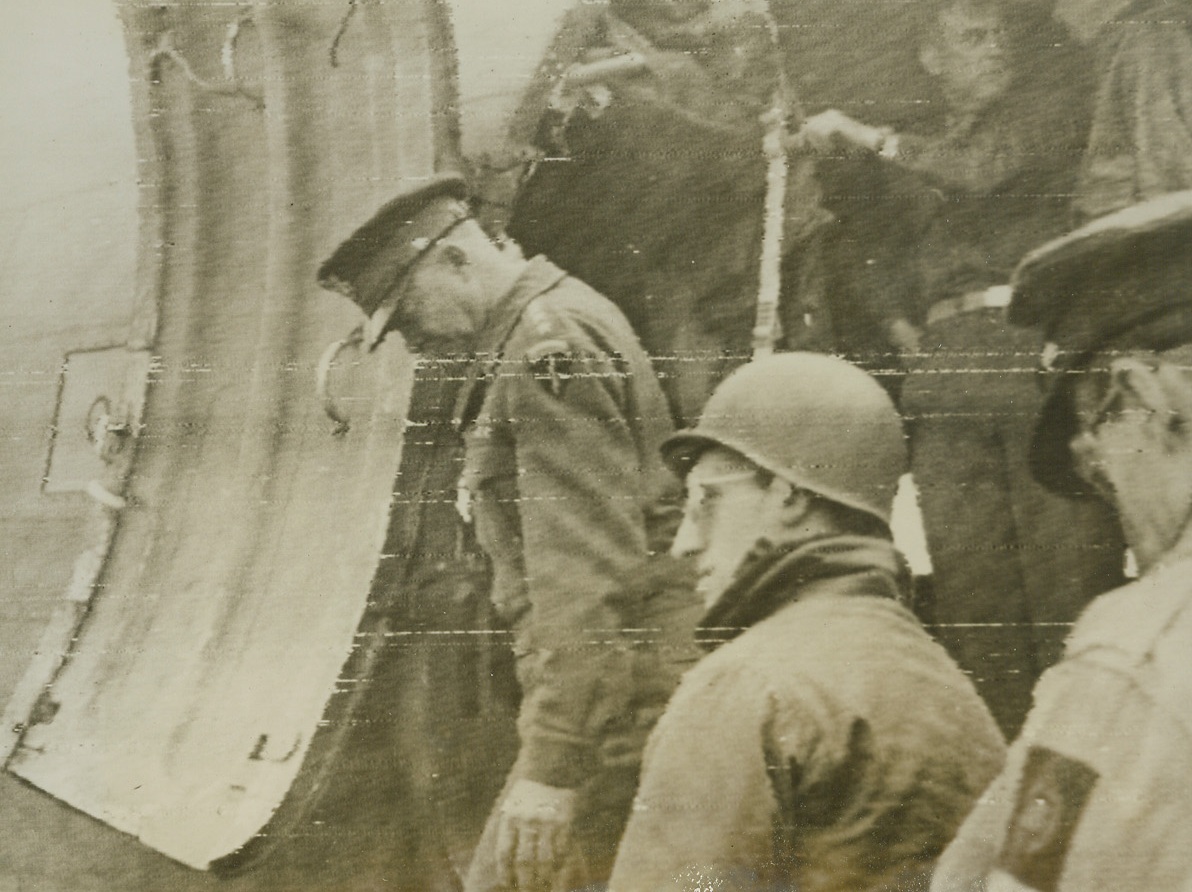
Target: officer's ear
column 451, row 255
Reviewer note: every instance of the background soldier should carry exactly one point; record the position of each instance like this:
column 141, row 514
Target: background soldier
column 827, row 743
column 562, row 418
column 1013, row 564
column 1097, row 791
column 652, row 187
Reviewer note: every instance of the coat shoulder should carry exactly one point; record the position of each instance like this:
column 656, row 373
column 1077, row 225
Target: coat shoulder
column 570, row 318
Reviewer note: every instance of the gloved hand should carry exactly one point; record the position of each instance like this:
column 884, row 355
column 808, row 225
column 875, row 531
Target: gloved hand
column 533, row 834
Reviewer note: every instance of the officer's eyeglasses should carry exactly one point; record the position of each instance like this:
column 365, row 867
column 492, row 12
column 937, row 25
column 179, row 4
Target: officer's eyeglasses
column 1111, row 405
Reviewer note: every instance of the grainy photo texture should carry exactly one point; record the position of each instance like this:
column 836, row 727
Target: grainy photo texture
column 632, row 445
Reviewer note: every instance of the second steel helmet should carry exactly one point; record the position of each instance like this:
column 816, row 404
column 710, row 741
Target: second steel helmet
column 816, row 421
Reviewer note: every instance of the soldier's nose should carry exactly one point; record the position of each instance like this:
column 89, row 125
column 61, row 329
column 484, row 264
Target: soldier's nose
column 687, row 539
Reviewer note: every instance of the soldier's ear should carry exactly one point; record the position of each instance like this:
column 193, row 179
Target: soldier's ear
column 796, row 503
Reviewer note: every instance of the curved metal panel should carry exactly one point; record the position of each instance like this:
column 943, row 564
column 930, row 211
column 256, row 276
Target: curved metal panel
column 242, row 561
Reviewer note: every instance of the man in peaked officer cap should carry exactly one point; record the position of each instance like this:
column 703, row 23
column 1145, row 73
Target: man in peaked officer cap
column 372, row 263
column 561, row 418
column 1097, row 791
column 827, row 743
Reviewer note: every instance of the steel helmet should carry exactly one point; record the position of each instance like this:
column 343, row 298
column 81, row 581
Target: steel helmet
column 814, row 420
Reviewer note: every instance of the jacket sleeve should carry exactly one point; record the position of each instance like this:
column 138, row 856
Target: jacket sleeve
column 977, row 166
column 582, row 524
column 1089, row 797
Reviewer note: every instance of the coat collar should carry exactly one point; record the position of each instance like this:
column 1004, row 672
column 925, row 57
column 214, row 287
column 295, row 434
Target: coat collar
column 1133, row 618
column 773, row 576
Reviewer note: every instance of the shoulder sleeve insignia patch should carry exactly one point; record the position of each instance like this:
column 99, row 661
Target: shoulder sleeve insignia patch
column 552, row 365
column 1051, row 798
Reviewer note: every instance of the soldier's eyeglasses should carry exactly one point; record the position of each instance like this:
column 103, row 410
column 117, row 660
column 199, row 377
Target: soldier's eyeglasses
column 703, row 492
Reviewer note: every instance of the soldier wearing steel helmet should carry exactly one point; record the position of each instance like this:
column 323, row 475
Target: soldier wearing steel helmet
column 1096, row 793
column 561, row 418
column 826, row 742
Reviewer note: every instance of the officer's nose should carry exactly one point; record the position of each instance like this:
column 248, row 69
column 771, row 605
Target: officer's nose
column 688, row 540
column 1086, row 460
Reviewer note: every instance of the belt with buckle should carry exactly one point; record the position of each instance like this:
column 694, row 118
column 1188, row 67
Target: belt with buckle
column 995, row 297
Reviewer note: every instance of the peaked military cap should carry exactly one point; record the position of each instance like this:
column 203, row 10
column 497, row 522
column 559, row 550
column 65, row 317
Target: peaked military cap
column 1120, row 283
column 369, row 265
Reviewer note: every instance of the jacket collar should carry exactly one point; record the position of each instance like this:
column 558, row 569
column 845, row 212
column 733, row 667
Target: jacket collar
column 1135, row 616
column 773, row 576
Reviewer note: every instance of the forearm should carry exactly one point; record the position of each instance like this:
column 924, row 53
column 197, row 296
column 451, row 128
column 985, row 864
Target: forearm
column 968, row 166
column 975, row 162
column 575, row 691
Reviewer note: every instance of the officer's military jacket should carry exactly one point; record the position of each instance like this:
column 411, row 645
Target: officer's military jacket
column 1097, row 790
column 831, row 746
column 562, row 418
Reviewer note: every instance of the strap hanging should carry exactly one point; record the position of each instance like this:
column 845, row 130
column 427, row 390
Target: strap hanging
column 767, row 328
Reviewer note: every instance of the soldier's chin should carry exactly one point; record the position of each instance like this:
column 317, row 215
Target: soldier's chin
column 710, row 591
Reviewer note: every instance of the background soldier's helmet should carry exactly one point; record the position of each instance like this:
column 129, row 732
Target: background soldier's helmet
column 816, row 421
